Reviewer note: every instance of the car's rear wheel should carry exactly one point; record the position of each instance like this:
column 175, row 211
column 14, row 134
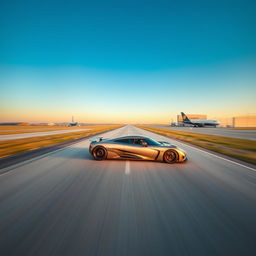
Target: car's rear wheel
column 170, row 156
column 99, row 153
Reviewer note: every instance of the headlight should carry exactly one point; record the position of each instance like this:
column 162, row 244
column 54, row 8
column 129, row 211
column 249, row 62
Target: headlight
column 183, row 152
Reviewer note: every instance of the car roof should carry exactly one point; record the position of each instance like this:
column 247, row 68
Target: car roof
column 130, row 137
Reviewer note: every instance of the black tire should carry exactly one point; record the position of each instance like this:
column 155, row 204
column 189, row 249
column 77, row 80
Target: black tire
column 170, row 156
column 99, row 153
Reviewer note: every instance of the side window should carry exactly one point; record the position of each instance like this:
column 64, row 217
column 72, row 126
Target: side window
column 149, row 142
column 123, row 141
column 138, row 141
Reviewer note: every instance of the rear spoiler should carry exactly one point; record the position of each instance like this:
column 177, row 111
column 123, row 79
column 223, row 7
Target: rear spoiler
column 96, row 139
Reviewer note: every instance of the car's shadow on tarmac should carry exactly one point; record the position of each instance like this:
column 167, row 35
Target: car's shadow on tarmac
column 76, row 153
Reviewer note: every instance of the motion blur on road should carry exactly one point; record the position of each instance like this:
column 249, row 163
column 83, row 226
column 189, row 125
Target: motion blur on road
column 37, row 134
column 225, row 132
column 66, row 203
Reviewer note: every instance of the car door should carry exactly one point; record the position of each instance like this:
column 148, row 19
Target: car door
column 140, row 151
column 122, row 148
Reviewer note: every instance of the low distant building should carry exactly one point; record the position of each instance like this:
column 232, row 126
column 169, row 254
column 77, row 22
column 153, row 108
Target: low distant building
column 24, row 124
column 244, row 121
column 191, row 117
column 225, row 121
column 15, row 123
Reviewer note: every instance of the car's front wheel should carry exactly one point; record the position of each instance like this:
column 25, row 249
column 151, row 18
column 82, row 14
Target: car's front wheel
column 170, row 156
column 99, row 153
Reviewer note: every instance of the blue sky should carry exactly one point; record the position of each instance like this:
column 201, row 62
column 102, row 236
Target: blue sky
column 126, row 61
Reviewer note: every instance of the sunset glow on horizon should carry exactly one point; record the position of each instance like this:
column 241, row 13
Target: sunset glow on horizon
column 126, row 63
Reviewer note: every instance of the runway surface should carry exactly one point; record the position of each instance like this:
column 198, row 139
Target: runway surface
column 232, row 133
column 36, row 134
column 66, row 203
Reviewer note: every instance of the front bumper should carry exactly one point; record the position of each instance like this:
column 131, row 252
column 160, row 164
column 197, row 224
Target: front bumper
column 90, row 148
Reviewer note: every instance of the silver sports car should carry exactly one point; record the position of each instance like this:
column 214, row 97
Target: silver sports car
column 137, row 148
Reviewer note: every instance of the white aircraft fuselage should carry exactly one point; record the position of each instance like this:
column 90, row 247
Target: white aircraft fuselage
column 199, row 122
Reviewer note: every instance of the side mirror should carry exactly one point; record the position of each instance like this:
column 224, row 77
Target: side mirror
column 144, row 144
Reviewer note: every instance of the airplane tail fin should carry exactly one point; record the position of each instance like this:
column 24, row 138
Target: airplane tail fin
column 185, row 118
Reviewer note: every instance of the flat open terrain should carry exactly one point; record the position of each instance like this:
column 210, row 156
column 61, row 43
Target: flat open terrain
column 66, row 203
column 242, row 149
column 7, row 130
column 36, row 134
column 248, row 134
column 25, row 142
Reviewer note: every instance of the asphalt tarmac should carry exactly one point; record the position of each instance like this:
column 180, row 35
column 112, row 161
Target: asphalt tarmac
column 66, row 203
column 232, row 133
column 36, row 134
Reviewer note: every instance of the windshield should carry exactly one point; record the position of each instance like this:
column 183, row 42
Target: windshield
column 152, row 142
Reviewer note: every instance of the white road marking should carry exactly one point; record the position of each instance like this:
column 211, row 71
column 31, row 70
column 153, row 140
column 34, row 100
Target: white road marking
column 127, row 168
column 211, row 154
column 223, row 158
column 37, row 134
column 8, row 169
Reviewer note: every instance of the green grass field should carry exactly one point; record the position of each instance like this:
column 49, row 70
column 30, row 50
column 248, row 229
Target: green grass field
column 11, row 147
column 6, row 130
column 238, row 148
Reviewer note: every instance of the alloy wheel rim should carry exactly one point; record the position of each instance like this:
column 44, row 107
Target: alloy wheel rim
column 100, row 153
column 170, row 156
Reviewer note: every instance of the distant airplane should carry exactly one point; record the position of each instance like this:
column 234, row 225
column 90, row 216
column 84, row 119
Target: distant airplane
column 199, row 122
column 73, row 123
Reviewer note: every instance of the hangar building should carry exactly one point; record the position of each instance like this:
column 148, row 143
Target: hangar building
column 244, row 121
